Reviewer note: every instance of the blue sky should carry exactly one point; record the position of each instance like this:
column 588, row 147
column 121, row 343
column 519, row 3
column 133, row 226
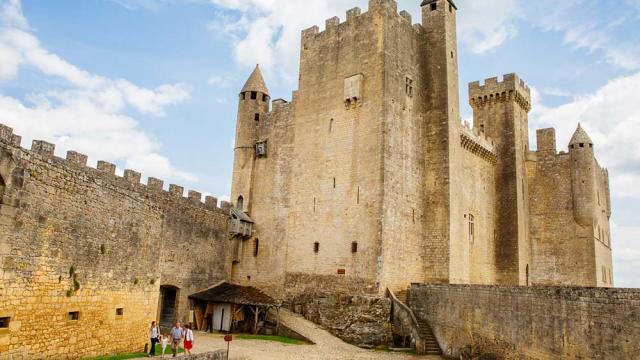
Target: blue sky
column 151, row 84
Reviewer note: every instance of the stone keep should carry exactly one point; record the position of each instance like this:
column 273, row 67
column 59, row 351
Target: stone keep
column 371, row 181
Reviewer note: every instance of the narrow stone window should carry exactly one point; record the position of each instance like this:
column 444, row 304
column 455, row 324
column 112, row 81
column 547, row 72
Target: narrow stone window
column 408, row 88
column 264, row 97
column 330, row 126
column 450, row 8
column 581, row 145
column 3, row 186
column 314, row 204
column 452, row 54
column 472, row 229
column 73, row 316
column 358, row 196
column 413, row 215
column 240, row 204
column 257, row 117
column 120, row 312
column 434, row 7
column 256, row 248
column 334, row 183
column 604, row 274
column 4, row 322
column 254, row 95
column 354, row 247
column 316, row 247
column 610, row 277
column 242, row 96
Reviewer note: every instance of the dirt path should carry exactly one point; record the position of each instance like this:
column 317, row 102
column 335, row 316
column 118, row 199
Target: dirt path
column 326, row 347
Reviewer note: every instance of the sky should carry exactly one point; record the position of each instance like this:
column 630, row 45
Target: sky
column 152, row 85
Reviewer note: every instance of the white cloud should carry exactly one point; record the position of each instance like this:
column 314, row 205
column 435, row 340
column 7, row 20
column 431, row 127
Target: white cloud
column 485, row 25
column 612, row 118
column 556, row 92
column 90, row 114
column 11, row 14
column 586, row 25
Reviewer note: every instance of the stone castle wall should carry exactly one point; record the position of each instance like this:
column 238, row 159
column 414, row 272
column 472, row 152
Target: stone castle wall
column 531, row 322
column 567, row 250
column 83, row 252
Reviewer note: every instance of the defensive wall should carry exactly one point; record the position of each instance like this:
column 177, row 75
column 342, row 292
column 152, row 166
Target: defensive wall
column 84, row 252
column 509, row 322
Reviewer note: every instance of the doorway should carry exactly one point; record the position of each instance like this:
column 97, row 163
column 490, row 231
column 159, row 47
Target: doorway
column 168, row 305
column 222, row 317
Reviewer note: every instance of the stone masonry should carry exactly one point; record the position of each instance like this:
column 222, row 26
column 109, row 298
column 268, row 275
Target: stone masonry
column 509, row 322
column 369, row 176
column 366, row 180
column 84, row 253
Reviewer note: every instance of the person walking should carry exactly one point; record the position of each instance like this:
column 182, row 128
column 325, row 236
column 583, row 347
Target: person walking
column 176, row 335
column 188, row 339
column 154, row 334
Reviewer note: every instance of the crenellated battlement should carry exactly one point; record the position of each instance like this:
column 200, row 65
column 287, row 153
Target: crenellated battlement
column 511, row 88
column 130, row 180
column 332, row 24
column 477, row 142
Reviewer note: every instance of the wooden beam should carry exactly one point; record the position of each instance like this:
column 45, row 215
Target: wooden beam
column 255, row 327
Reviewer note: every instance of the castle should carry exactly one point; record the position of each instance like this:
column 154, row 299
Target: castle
column 363, row 197
column 369, row 175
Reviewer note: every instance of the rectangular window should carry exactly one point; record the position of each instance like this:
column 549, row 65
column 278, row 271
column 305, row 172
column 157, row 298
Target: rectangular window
column 334, row 183
column 434, row 7
column 264, row 97
column 4, row 322
column 257, row 117
column 408, row 88
column 472, row 229
column 73, row 316
column 342, row 271
column 316, row 247
column 254, row 95
column 256, row 248
column 314, row 205
column 358, row 196
column 119, row 311
column 242, row 96
column 354, row 247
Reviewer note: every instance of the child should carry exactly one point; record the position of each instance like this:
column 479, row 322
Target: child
column 188, row 339
column 164, row 339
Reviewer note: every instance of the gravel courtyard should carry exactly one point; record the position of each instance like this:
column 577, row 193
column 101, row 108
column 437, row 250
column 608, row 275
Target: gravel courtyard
column 326, row 347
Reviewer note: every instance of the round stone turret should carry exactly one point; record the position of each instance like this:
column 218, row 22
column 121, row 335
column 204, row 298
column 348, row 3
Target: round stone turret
column 255, row 84
column 253, row 106
column 583, row 177
column 580, row 139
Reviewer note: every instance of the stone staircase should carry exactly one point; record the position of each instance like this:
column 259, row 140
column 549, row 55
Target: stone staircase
column 431, row 346
column 403, row 296
column 425, row 340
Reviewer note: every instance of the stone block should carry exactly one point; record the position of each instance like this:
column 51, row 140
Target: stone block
column 77, row 158
column 43, row 148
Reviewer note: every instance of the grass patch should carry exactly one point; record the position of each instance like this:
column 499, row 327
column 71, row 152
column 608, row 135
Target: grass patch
column 281, row 339
column 136, row 355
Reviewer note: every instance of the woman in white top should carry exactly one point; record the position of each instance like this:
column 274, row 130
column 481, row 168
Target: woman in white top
column 188, row 339
column 154, row 333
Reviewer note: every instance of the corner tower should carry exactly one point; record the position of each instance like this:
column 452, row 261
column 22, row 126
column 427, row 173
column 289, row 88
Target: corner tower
column 500, row 109
column 442, row 120
column 583, row 177
column 253, row 105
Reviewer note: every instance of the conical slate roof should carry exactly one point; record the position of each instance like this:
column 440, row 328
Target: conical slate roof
column 580, row 137
column 256, row 82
